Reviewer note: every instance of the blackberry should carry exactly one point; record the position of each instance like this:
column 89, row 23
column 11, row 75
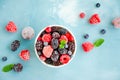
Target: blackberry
column 4, row 58
column 55, row 35
column 71, row 46
column 62, row 51
column 39, row 45
column 54, row 43
column 62, row 31
column 17, row 67
column 15, row 45
column 55, row 56
column 49, row 61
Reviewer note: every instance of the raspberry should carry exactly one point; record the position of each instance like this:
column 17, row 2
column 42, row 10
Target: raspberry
column 39, row 38
column 87, row 46
column 11, row 27
column 48, row 29
column 116, row 22
column 69, row 36
column 46, row 38
column 94, row 19
column 64, row 58
column 47, row 51
column 82, row 15
column 25, row 55
column 63, row 37
column 42, row 57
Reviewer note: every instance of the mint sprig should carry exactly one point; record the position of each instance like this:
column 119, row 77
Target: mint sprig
column 8, row 68
column 99, row 42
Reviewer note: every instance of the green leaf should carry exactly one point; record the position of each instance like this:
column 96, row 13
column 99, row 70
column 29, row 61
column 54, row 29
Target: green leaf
column 61, row 46
column 99, row 42
column 63, row 42
column 8, row 68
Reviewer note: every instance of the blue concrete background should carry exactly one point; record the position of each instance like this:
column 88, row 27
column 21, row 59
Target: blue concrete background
column 101, row 63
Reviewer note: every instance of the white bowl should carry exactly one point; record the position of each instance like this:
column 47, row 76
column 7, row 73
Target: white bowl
column 49, row 64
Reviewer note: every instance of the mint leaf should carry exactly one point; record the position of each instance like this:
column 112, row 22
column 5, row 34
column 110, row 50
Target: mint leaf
column 8, row 68
column 61, row 46
column 99, row 42
column 63, row 42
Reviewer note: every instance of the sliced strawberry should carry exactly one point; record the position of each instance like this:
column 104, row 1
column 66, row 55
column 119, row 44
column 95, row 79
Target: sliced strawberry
column 87, row 46
column 95, row 19
column 47, row 51
column 25, row 55
column 11, row 27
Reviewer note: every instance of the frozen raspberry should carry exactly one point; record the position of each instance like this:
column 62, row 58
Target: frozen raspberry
column 95, row 19
column 25, row 55
column 69, row 36
column 39, row 38
column 48, row 29
column 82, row 15
column 63, row 37
column 11, row 27
column 116, row 22
column 46, row 38
column 64, row 58
column 47, row 51
column 87, row 46
column 42, row 57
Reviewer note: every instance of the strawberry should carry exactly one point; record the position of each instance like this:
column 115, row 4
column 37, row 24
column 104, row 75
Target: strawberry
column 46, row 38
column 25, row 55
column 69, row 36
column 87, row 46
column 64, row 58
column 11, row 27
column 95, row 19
column 48, row 29
column 47, row 51
column 63, row 37
column 42, row 57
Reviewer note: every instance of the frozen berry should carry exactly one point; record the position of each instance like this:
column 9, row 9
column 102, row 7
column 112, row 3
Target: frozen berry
column 86, row 36
column 54, row 43
column 45, row 43
column 116, row 22
column 24, row 55
column 48, row 29
column 15, row 45
column 39, row 38
column 64, row 58
column 28, row 33
column 71, row 46
column 63, row 37
column 87, row 46
column 95, row 19
column 46, row 38
column 42, row 57
column 62, row 31
column 55, row 56
column 70, row 53
column 62, row 51
column 47, row 51
column 4, row 58
column 39, row 45
column 49, row 61
column 98, row 5
column 18, row 67
column 11, row 27
column 55, row 35
column 82, row 15
column 103, row 31
column 69, row 36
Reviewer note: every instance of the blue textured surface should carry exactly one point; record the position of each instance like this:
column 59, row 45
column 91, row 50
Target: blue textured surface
column 101, row 63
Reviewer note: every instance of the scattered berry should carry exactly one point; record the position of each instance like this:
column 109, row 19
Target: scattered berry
column 15, row 45
column 63, row 37
column 46, row 38
column 39, row 45
column 55, row 56
column 4, row 58
column 86, row 36
column 25, row 55
column 87, row 46
column 69, row 36
column 48, row 29
column 98, row 5
column 43, row 58
column 55, row 35
column 47, row 51
column 82, row 15
column 103, row 31
column 11, row 27
column 95, row 19
column 18, row 67
column 64, row 58
column 116, row 22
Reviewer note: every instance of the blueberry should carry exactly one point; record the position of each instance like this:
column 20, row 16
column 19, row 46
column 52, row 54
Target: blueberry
column 62, row 31
column 15, row 45
column 103, row 31
column 86, row 36
column 4, row 58
column 98, row 5
column 17, row 67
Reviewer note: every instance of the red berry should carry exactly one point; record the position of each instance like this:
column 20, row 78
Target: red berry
column 25, row 55
column 69, row 36
column 42, row 57
column 82, row 15
column 63, row 37
column 46, row 38
column 11, row 27
column 95, row 19
column 48, row 29
column 64, row 58
column 47, row 51
column 87, row 46
column 39, row 38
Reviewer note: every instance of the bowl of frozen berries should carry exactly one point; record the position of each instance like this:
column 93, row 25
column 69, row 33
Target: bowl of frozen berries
column 55, row 46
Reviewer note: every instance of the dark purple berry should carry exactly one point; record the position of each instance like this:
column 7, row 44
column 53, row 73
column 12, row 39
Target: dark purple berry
column 49, row 61
column 98, row 5
column 62, row 31
column 15, row 45
column 4, row 58
column 62, row 51
column 39, row 45
column 71, row 46
column 55, row 43
column 17, row 67
column 55, row 35
column 86, row 36
column 103, row 31
column 55, row 56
